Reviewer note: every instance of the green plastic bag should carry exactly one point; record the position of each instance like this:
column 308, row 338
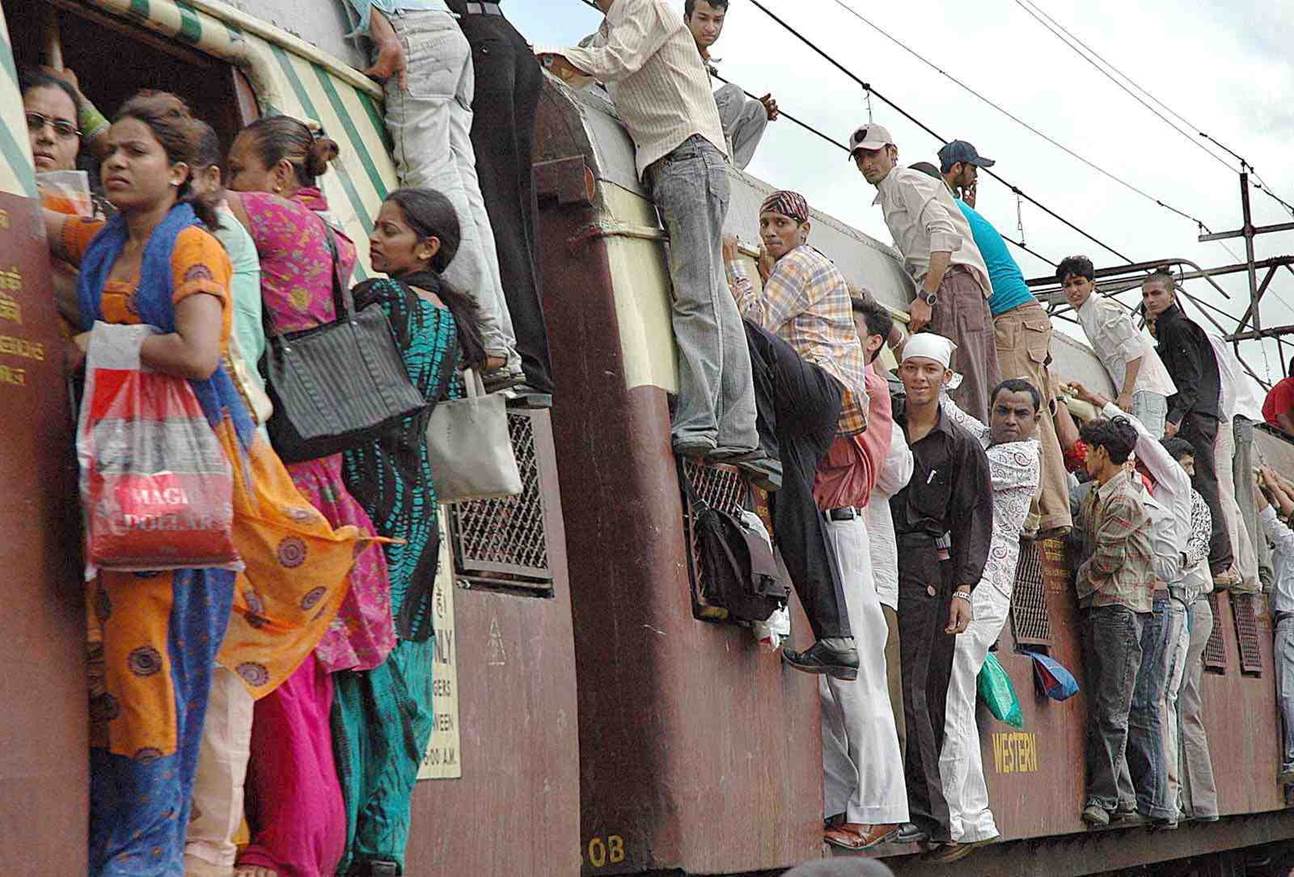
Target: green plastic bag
column 996, row 690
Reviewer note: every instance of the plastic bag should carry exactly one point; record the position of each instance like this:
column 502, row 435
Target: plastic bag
column 66, row 192
column 997, row 692
column 156, row 487
column 1052, row 677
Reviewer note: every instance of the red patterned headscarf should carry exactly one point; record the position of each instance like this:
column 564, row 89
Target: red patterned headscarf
column 787, row 203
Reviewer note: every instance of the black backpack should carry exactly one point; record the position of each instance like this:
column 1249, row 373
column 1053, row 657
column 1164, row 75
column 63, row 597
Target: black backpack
column 740, row 577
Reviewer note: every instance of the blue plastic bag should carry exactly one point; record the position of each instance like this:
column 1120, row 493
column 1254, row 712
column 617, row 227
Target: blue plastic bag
column 1051, row 677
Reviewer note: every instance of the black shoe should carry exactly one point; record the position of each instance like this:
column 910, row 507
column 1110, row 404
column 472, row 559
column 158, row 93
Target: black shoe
column 696, row 448
column 1128, row 819
column 1163, row 823
column 909, row 833
column 821, row 658
column 374, row 868
column 1096, row 816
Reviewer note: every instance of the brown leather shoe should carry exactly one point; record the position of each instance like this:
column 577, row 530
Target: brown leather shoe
column 856, row 836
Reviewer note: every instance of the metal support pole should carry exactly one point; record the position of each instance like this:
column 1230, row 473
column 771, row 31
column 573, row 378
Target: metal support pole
column 1249, row 245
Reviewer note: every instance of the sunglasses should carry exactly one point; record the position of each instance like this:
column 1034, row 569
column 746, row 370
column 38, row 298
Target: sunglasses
column 63, row 129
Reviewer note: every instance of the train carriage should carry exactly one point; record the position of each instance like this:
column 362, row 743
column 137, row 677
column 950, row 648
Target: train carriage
column 589, row 722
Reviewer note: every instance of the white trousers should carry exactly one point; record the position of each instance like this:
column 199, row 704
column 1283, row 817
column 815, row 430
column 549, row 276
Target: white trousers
column 961, row 766
column 1242, row 547
column 862, row 766
column 217, row 813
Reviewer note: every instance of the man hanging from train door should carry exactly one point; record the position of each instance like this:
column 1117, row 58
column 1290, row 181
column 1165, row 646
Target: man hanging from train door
column 1273, row 504
column 1011, row 445
column 864, row 797
column 1113, row 586
column 943, row 521
column 939, row 253
column 744, row 118
column 809, row 387
column 661, row 91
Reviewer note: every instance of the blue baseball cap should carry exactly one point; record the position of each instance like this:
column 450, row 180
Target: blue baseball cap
column 960, row 150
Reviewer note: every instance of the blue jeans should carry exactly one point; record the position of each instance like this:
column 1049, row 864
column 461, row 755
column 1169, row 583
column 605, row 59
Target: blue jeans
column 716, row 396
column 1152, row 737
column 1112, row 655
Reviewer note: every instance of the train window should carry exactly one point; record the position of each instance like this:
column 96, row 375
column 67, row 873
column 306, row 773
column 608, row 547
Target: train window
column 721, row 487
column 1030, row 622
column 1244, row 609
column 502, row 544
column 1215, row 654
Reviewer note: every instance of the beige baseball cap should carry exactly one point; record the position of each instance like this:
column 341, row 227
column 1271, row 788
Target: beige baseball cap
column 870, row 136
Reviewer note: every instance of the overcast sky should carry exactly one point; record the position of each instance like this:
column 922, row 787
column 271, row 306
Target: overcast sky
column 1223, row 64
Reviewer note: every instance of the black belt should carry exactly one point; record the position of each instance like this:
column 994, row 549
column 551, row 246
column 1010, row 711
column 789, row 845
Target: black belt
column 482, row 9
column 847, row 513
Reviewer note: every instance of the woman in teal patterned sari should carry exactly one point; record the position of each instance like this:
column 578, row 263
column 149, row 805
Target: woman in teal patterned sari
column 382, row 718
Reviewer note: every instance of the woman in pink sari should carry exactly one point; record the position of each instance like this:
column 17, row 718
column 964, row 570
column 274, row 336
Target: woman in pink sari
column 295, row 806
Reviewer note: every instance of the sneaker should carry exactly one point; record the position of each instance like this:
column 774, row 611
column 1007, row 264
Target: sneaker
column 1129, row 819
column 1163, row 823
column 822, row 659
column 1096, row 816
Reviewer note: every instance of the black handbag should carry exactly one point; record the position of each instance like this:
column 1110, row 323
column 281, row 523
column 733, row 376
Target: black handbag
column 740, row 578
column 336, row 385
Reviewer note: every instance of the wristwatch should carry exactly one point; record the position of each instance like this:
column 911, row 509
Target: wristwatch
column 928, row 297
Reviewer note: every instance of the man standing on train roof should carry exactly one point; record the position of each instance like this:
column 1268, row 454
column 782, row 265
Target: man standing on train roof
column 1013, row 458
column 1113, row 586
column 809, row 387
column 661, row 91
column 939, row 252
column 1021, row 332
column 1128, row 357
column 943, row 522
column 744, row 118
column 1194, row 411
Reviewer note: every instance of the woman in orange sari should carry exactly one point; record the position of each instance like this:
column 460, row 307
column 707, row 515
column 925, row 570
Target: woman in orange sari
column 155, row 635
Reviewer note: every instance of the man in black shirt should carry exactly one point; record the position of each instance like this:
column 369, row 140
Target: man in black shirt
column 1194, row 412
column 950, row 496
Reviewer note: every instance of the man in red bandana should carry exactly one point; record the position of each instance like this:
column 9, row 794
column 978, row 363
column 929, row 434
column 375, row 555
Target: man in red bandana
column 809, row 368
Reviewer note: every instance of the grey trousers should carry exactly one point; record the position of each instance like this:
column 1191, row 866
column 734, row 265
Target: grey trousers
column 1152, row 410
column 743, row 119
column 1199, row 791
column 1152, row 725
column 961, row 314
column 1112, row 654
column 716, row 393
column 1284, row 655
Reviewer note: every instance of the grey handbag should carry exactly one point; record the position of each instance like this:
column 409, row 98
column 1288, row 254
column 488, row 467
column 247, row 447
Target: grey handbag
column 470, row 447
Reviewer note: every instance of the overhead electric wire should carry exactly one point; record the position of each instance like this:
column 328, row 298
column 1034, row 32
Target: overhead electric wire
column 1074, row 41
column 1010, row 115
column 914, row 120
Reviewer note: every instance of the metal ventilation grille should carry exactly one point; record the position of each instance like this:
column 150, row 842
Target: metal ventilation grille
column 1244, row 608
column 721, row 487
column 1029, row 620
column 1215, row 655
column 503, row 542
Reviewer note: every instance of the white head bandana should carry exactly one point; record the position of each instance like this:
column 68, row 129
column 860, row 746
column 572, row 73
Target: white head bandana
column 931, row 346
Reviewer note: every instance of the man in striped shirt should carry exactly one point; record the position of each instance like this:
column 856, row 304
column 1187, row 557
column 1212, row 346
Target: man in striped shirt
column 810, row 385
column 661, row 89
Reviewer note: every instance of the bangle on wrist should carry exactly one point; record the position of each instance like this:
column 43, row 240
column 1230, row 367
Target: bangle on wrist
column 962, row 595
column 91, row 121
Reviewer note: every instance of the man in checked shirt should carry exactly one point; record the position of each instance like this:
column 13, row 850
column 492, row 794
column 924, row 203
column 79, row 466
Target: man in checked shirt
column 809, row 369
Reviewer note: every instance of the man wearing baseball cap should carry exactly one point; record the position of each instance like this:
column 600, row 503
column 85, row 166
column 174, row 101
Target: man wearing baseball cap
column 940, row 253
column 1021, row 332
column 950, row 492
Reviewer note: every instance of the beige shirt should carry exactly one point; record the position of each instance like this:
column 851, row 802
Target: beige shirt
column 660, row 86
column 1117, row 342
column 923, row 218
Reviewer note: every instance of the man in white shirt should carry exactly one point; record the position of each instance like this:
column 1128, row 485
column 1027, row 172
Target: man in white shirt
column 1282, row 539
column 661, row 90
column 1014, row 459
column 1129, row 358
column 939, row 252
column 744, row 118
column 1236, row 396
